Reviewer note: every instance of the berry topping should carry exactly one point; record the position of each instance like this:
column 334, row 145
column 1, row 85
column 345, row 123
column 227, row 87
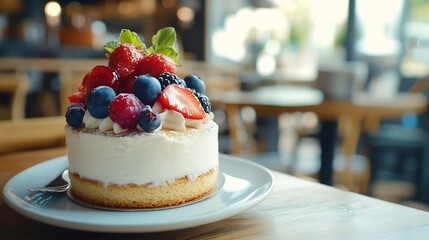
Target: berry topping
column 149, row 120
column 194, row 82
column 182, row 100
column 147, row 89
column 124, row 59
column 74, row 115
column 98, row 101
column 99, row 76
column 205, row 102
column 167, row 78
column 124, row 109
column 78, row 98
column 155, row 65
column 126, row 85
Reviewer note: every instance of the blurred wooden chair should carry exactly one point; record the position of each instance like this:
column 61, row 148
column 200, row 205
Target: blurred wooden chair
column 70, row 81
column 31, row 133
column 396, row 148
column 14, row 86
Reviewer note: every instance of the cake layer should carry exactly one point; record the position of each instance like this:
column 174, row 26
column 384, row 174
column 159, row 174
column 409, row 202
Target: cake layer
column 180, row 191
column 142, row 158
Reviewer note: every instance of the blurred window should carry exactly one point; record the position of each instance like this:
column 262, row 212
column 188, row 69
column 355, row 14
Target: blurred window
column 242, row 32
column 416, row 40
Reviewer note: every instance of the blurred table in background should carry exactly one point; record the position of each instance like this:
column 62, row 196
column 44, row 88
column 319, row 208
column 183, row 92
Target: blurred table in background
column 362, row 113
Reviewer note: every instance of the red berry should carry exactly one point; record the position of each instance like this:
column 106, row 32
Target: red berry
column 155, row 65
column 126, row 85
column 124, row 59
column 182, row 100
column 99, row 76
column 78, row 98
column 124, row 110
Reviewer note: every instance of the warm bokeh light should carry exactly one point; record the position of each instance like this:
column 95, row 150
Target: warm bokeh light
column 185, row 14
column 52, row 12
column 52, row 9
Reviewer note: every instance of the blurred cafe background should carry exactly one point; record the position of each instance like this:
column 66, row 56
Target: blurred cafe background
column 288, row 79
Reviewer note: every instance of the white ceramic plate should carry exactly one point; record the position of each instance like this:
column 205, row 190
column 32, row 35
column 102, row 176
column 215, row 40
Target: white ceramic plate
column 245, row 185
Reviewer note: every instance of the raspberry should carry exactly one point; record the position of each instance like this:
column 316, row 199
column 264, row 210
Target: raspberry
column 124, row 109
column 155, row 65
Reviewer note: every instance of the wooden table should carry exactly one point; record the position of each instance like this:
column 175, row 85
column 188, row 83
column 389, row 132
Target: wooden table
column 31, row 133
column 296, row 209
column 363, row 113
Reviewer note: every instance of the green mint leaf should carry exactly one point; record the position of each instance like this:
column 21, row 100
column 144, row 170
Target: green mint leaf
column 110, row 46
column 165, row 37
column 169, row 52
column 128, row 36
column 163, row 43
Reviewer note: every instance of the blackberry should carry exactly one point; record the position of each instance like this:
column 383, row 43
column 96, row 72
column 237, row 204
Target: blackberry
column 205, row 102
column 166, row 79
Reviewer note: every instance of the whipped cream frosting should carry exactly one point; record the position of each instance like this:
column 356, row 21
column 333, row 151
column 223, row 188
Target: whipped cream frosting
column 155, row 158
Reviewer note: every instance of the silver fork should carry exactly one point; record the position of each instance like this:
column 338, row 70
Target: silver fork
column 58, row 185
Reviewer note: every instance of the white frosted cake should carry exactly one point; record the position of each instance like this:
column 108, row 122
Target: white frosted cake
column 138, row 136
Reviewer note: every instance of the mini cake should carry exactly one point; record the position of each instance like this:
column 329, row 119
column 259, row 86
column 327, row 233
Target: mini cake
column 137, row 135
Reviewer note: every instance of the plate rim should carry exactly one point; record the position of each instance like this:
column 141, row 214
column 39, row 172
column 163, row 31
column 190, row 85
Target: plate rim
column 38, row 214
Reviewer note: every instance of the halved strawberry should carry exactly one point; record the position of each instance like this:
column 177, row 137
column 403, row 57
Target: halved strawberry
column 124, row 59
column 155, row 65
column 182, row 100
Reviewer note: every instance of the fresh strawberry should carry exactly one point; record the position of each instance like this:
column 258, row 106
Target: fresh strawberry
column 124, row 110
column 126, row 85
column 78, row 98
column 99, row 76
column 182, row 100
column 124, row 59
column 155, row 65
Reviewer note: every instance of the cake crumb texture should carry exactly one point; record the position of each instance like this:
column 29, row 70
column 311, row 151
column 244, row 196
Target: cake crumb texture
column 180, row 191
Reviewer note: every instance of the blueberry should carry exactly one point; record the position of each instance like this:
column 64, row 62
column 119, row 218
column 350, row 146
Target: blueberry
column 149, row 120
column 194, row 82
column 74, row 115
column 98, row 101
column 147, row 89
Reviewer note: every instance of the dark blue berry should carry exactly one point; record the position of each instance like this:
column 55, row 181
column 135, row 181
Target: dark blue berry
column 205, row 102
column 166, row 79
column 98, row 101
column 195, row 83
column 74, row 115
column 149, row 120
column 147, row 89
